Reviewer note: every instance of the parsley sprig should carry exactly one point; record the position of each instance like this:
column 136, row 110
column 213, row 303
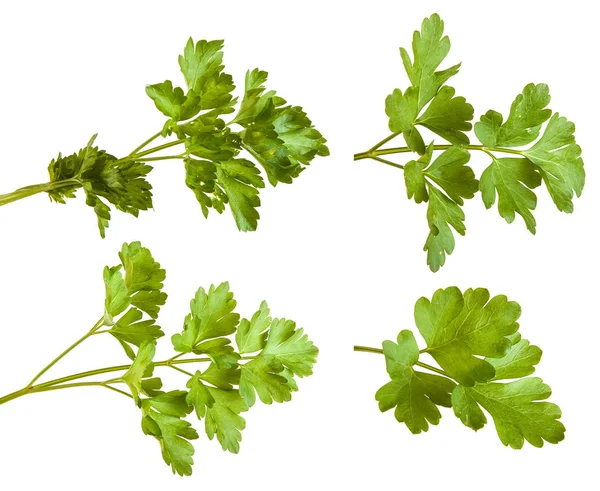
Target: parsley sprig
column 274, row 134
column 483, row 364
column 242, row 358
column 534, row 156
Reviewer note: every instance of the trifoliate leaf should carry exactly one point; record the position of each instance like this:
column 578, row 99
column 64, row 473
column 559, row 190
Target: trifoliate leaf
column 450, row 173
column 139, row 369
column 559, row 160
column 514, row 406
column 527, row 114
column 202, row 67
column 131, row 329
column 223, row 418
column 161, row 418
column 448, row 116
column 251, row 335
column 143, row 278
column 291, row 347
column 441, row 213
column 429, row 50
column 263, row 376
column 240, row 181
column 211, row 317
column 512, row 179
column 457, row 328
column 172, row 102
column 414, row 394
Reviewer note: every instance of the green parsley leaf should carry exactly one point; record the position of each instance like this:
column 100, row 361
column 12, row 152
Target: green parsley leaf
column 131, row 329
column 527, row 114
column 161, row 418
column 450, row 172
column 441, row 213
column 414, row 394
column 519, row 362
column 429, row 50
column 172, row 102
column 512, row 179
column 517, row 414
column 448, row 116
column 559, row 159
column 211, row 317
column 457, row 327
column 140, row 368
column 251, row 335
column 263, row 376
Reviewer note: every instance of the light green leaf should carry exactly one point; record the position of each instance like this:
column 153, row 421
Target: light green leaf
column 172, row 102
column 450, row 173
column 414, row 394
column 211, row 317
column 130, row 328
column 519, row 361
column 512, row 179
column 458, row 328
column 139, row 369
column 263, row 376
column 516, row 410
column 402, row 109
column 251, row 335
column 448, row 116
column 429, row 50
column 223, row 418
column 441, row 213
column 202, row 67
column 161, row 418
column 559, row 159
column 527, row 114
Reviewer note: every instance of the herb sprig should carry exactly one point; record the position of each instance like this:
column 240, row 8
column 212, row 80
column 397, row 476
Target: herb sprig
column 483, row 363
column 550, row 156
column 268, row 354
column 278, row 136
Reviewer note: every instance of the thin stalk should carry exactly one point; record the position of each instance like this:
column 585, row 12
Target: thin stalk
column 67, row 351
column 181, row 370
column 64, row 381
column 35, row 189
column 379, row 351
column 146, row 143
column 383, row 142
column 371, row 154
column 135, row 156
column 167, row 157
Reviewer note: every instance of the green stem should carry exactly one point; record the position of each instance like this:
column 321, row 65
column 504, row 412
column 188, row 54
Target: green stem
column 35, row 189
column 167, row 157
column 146, row 143
column 63, row 381
column 371, row 154
column 383, row 142
column 379, row 351
column 98, row 324
column 155, row 149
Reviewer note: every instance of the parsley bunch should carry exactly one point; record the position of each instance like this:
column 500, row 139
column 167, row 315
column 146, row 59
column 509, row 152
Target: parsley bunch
column 476, row 343
column 444, row 182
column 276, row 135
column 245, row 358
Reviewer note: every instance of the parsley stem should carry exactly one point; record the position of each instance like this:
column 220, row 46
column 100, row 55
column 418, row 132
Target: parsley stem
column 181, row 370
column 146, row 143
column 98, row 324
column 379, row 351
column 35, row 189
column 155, row 149
column 167, row 157
column 63, row 381
column 383, row 142
column 372, row 154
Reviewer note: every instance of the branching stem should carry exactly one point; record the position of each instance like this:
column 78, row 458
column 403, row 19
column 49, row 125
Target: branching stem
column 379, row 351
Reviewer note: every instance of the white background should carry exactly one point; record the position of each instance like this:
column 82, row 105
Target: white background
column 339, row 251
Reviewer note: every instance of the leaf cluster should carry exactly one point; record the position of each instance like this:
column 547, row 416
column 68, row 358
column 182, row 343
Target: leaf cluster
column 485, row 365
column 538, row 154
column 278, row 136
column 261, row 355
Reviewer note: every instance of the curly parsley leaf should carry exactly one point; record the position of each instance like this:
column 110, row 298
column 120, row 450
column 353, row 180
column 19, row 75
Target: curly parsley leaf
column 102, row 177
